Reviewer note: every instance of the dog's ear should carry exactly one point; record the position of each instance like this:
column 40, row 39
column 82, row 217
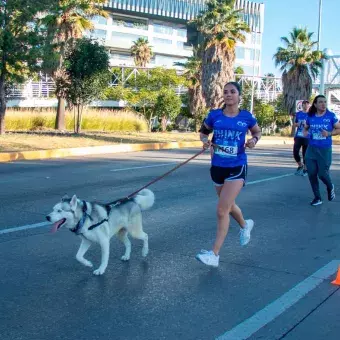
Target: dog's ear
column 73, row 202
column 65, row 198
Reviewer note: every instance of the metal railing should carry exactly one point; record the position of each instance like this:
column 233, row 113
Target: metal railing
column 33, row 89
column 265, row 88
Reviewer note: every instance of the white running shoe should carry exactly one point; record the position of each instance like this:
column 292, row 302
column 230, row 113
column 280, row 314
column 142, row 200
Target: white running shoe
column 208, row 257
column 245, row 232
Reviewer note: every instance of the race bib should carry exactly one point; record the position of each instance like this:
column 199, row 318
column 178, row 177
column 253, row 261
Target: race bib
column 318, row 136
column 227, row 150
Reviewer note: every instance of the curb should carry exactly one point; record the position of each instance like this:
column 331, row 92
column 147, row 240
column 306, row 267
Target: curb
column 97, row 150
column 92, row 150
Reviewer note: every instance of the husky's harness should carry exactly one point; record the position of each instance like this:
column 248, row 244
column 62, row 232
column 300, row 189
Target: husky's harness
column 80, row 224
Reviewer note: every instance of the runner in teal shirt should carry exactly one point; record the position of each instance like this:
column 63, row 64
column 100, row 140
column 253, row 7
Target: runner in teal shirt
column 321, row 125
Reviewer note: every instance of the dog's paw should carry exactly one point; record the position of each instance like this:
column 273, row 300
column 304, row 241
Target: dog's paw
column 87, row 264
column 125, row 258
column 145, row 252
column 99, row 271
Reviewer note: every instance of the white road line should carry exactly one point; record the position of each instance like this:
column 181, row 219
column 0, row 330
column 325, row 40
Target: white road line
column 250, row 326
column 144, row 167
column 24, row 227
column 43, row 224
column 268, row 179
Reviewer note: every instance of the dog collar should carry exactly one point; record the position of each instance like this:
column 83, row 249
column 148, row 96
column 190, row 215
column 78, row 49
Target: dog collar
column 81, row 222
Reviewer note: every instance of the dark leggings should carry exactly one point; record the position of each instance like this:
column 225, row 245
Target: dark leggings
column 318, row 162
column 298, row 143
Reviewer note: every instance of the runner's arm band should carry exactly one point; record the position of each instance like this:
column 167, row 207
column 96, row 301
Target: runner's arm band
column 204, row 129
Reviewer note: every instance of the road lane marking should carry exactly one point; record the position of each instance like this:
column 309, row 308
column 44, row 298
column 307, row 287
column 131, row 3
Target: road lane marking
column 24, row 227
column 253, row 324
column 143, row 167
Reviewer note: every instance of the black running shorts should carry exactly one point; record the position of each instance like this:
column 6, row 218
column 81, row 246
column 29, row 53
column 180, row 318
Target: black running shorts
column 219, row 174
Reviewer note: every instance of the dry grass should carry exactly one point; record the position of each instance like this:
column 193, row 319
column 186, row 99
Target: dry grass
column 21, row 141
column 93, row 120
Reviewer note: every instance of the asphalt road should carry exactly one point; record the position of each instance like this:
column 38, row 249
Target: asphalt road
column 46, row 294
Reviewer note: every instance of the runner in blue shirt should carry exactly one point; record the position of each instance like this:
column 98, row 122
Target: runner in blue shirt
column 228, row 164
column 321, row 125
column 300, row 141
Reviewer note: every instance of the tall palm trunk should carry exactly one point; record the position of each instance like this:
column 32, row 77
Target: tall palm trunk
column 217, row 70
column 301, row 89
column 197, row 105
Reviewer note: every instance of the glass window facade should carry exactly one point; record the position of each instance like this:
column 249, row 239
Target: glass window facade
column 99, row 20
column 180, row 45
column 182, row 32
column 240, row 52
column 160, row 41
column 126, row 37
column 130, row 23
column 98, row 34
column 167, row 61
column 158, row 28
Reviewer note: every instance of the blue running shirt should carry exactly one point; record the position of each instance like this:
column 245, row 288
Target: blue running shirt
column 316, row 125
column 299, row 118
column 230, row 133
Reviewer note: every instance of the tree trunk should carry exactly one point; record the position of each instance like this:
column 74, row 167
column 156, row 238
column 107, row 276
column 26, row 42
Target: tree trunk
column 197, row 105
column 2, row 123
column 297, row 85
column 60, row 118
column 2, row 107
column 149, row 123
column 164, row 123
column 78, row 119
column 217, row 70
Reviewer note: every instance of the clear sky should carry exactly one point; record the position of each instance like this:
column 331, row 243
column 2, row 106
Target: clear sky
column 282, row 15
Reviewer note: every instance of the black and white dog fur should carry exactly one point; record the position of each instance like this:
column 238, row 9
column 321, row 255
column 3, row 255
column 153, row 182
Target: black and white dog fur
column 120, row 220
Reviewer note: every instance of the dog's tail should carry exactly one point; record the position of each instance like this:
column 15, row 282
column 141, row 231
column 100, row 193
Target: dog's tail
column 145, row 199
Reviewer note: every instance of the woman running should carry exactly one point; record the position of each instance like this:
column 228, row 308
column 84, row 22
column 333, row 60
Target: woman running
column 229, row 164
column 300, row 141
column 321, row 124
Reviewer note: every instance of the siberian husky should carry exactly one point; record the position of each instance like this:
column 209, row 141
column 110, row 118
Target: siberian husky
column 97, row 223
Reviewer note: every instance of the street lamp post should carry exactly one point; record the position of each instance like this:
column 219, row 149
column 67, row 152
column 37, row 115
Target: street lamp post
column 320, row 22
column 253, row 78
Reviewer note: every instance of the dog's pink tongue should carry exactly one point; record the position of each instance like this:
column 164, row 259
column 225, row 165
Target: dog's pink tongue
column 55, row 227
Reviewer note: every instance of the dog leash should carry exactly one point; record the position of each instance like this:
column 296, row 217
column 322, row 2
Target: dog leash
column 127, row 198
column 77, row 230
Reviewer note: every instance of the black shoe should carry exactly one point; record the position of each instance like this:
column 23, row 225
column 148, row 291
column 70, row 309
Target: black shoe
column 299, row 170
column 316, row 201
column 331, row 194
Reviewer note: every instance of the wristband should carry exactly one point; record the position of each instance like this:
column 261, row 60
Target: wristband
column 257, row 138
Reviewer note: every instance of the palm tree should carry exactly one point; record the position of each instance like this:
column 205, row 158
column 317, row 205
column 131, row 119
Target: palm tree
column 141, row 52
column 193, row 74
column 221, row 27
column 66, row 22
column 300, row 62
